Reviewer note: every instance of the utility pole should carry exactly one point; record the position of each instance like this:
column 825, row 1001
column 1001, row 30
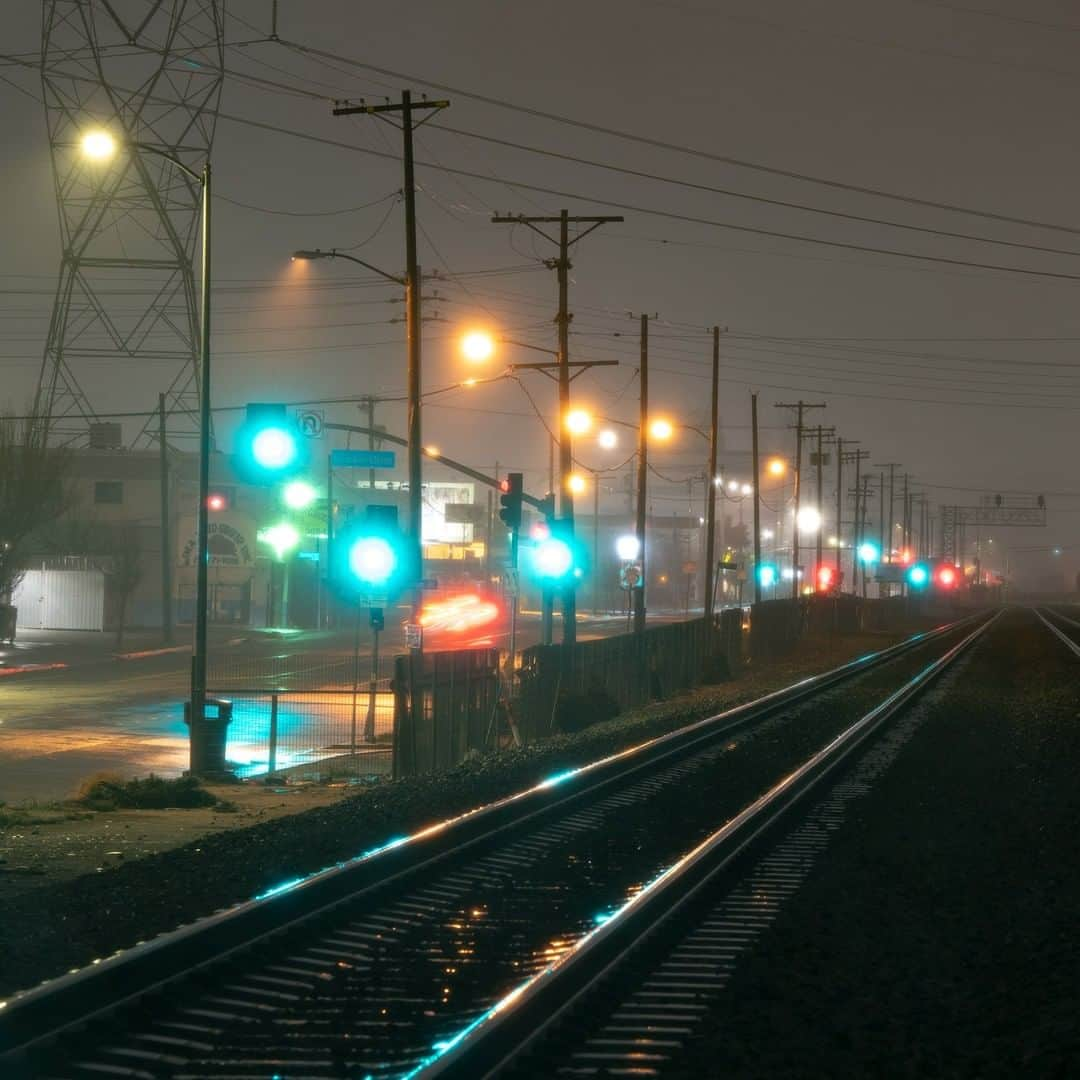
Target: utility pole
column 757, row 497
column 839, row 503
column 642, row 477
column 166, row 540
column 821, row 432
column 887, row 532
column 414, row 450
column 863, row 526
column 562, row 266
column 802, row 406
column 856, row 536
column 881, row 524
column 710, row 482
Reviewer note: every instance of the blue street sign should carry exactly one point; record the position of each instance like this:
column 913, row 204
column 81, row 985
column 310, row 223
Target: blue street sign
column 362, row 459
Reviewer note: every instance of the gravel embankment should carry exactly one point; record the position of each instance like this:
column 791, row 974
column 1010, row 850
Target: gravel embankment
column 939, row 936
column 48, row 931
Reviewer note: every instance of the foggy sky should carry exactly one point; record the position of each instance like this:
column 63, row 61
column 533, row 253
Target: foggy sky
column 912, row 96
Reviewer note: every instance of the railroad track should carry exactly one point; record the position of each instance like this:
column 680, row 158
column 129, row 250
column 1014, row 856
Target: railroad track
column 377, row 966
column 1064, row 627
column 633, row 993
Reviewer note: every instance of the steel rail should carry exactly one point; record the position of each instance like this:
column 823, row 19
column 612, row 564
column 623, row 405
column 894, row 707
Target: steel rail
column 517, row 1024
column 43, row 1014
column 1057, row 631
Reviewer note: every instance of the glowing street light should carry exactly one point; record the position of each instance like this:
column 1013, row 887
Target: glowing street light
column 281, row 538
column 478, row 346
column 607, row 439
column 808, row 519
column 576, row 484
column 578, row 421
column 98, row 145
column 298, row 495
column 661, row 429
column 628, row 547
column 776, row 466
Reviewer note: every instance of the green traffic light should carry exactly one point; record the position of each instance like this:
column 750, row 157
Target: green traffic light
column 372, row 560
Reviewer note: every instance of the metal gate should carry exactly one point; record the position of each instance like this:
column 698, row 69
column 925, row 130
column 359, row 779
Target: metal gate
column 61, row 600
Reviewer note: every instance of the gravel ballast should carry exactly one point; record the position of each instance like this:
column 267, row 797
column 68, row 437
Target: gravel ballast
column 939, row 934
column 48, row 931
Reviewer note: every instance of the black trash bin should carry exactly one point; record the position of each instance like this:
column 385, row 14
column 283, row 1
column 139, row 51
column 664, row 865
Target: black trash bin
column 208, row 736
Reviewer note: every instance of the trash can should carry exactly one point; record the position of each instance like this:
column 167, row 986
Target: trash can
column 8, row 613
column 207, row 737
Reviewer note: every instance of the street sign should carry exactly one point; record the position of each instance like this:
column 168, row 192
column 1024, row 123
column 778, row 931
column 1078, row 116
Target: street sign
column 362, row 459
column 464, row 513
column 414, row 636
column 630, row 576
column 310, row 422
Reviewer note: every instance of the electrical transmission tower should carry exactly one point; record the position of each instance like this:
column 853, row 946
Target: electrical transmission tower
column 148, row 72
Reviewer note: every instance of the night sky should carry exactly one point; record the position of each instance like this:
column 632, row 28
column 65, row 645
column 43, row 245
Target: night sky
column 966, row 375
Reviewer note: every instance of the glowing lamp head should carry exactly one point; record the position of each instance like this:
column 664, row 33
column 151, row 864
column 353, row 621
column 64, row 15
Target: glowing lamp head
column 607, row 439
column 372, row 560
column 628, row 548
column 274, row 448
column 578, row 421
column 576, row 484
column 216, row 502
column 477, row 346
column 808, row 519
column 766, row 575
column 824, row 577
column 776, row 467
column 747, row 489
column 868, row 553
column 298, row 495
column 98, row 145
column 553, row 558
column 661, row 429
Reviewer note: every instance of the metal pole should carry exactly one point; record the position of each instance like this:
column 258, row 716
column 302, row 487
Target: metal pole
column 798, row 497
column 820, row 504
column 855, row 528
column 371, row 445
column 329, row 532
column 596, row 545
column 566, row 451
column 757, row 498
column 642, row 477
column 412, row 322
column 369, row 721
column 839, row 503
column 355, row 681
column 166, row 540
column 710, row 481
column 198, row 658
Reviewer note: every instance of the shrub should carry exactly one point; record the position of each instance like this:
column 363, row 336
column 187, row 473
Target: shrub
column 110, row 792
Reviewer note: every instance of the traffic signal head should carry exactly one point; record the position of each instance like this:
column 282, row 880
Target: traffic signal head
column 268, row 445
column 510, row 500
column 556, row 559
column 918, row 575
column 824, row 578
column 767, row 575
column 372, row 558
column 217, row 501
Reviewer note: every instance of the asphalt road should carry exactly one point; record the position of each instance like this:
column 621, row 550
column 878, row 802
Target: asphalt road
column 99, row 714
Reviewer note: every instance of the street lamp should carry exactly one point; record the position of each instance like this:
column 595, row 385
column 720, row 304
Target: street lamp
column 99, row 146
column 607, row 439
column 414, row 450
column 578, row 422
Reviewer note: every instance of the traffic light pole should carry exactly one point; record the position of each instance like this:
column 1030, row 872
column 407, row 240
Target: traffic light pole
column 757, row 498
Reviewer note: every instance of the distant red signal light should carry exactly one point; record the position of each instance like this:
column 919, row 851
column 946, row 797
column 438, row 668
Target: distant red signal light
column 946, row 577
column 217, row 501
column 824, row 578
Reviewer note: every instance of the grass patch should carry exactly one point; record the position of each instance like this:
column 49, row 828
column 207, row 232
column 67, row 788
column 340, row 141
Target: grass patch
column 110, row 792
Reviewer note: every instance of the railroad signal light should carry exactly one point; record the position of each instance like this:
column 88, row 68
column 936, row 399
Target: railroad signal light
column 918, row 575
column 510, row 500
column 869, row 552
column 946, row 576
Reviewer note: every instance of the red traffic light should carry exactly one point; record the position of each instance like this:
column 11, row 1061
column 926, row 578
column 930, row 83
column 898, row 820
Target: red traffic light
column 217, row 501
column 824, row 577
column 946, row 576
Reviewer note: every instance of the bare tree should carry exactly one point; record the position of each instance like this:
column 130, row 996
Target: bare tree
column 125, row 571
column 33, row 493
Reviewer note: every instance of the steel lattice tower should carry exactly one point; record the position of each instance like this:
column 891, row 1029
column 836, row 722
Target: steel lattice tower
column 149, row 72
